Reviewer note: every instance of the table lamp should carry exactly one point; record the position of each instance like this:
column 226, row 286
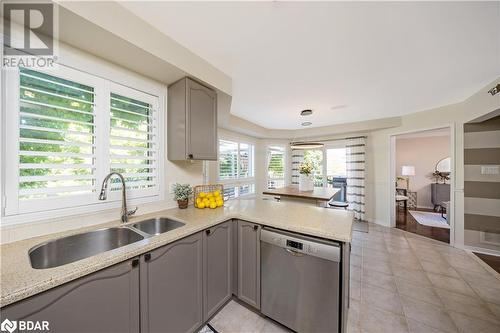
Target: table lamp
column 408, row 170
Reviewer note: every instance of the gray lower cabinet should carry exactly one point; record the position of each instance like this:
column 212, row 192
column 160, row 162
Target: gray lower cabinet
column 217, row 244
column 171, row 287
column 105, row 301
column 249, row 263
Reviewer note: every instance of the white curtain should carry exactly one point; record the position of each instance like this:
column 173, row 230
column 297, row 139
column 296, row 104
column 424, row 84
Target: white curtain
column 355, row 159
column 297, row 158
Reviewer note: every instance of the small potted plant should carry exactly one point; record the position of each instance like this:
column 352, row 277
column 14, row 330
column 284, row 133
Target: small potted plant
column 306, row 181
column 182, row 193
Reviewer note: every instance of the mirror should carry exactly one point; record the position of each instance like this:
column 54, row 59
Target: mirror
column 444, row 166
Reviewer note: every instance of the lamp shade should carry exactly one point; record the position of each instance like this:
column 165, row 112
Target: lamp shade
column 408, row 170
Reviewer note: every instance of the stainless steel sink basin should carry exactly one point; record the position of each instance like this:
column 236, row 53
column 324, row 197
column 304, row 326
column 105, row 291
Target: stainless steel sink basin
column 65, row 250
column 157, row 226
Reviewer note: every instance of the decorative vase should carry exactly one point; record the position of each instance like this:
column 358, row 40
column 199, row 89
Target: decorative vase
column 306, row 182
column 183, row 204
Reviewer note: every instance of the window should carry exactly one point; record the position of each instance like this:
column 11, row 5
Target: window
column 315, row 157
column 275, row 167
column 335, row 164
column 67, row 129
column 236, row 168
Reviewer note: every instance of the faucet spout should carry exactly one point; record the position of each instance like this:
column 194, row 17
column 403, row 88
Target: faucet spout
column 125, row 213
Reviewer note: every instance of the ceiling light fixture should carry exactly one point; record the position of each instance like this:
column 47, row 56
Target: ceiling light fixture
column 306, row 123
column 306, row 145
column 306, row 112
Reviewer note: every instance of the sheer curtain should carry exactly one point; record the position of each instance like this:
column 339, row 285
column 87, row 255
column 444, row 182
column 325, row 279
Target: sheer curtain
column 355, row 159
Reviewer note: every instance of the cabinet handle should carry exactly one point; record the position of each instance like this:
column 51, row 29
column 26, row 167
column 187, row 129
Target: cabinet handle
column 255, row 227
column 190, row 156
column 208, row 231
column 135, row 262
column 147, row 257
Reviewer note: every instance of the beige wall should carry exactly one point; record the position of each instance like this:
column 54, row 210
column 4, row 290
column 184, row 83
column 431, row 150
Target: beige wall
column 50, row 222
column 423, row 153
column 455, row 116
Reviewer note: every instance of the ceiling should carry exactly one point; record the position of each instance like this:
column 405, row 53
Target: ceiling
column 347, row 62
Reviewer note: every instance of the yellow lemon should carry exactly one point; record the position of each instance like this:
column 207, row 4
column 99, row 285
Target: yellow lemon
column 217, row 193
column 213, row 205
column 198, row 200
column 201, row 205
column 202, row 194
column 220, row 203
column 210, row 194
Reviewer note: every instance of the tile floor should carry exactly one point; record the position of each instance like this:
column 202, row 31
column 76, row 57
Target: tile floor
column 402, row 282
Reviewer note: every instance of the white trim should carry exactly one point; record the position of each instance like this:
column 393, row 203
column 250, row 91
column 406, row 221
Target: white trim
column 392, row 172
column 481, row 250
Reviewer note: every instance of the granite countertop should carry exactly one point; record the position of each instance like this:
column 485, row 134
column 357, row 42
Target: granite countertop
column 19, row 280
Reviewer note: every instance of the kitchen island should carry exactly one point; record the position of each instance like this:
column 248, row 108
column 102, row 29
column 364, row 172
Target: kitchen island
column 319, row 196
column 22, row 283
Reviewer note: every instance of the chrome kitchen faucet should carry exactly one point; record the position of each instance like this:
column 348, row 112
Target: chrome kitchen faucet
column 125, row 213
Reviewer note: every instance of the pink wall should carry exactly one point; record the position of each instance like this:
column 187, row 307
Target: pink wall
column 423, row 153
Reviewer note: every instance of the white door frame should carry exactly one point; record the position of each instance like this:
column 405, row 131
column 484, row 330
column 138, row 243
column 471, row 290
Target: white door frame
column 392, row 172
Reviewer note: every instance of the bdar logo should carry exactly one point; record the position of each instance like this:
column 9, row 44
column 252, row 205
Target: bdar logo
column 8, row 326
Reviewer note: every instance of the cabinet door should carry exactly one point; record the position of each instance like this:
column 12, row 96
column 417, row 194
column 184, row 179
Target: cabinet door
column 105, row 301
column 249, row 263
column 201, row 117
column 171, row 287
column 216, row 268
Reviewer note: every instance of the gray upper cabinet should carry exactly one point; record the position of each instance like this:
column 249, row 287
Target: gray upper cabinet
column 217, row 245
column 249, row 263
column 192, row 121
column 171, row 287
column 105, row 301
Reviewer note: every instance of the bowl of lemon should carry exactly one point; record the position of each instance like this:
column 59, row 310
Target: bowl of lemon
column 209, row 200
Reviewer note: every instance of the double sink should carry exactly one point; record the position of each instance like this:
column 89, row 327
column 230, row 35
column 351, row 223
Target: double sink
column 68, row 249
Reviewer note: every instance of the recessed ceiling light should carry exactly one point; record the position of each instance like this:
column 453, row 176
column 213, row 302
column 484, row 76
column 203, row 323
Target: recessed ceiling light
column 306, row 123
column 306, row 112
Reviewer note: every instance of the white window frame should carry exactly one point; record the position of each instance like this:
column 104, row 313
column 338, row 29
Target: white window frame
column 16, row 211
column 285, row 174
column 237, row 182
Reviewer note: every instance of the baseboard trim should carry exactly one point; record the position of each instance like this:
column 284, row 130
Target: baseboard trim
column 482, row 250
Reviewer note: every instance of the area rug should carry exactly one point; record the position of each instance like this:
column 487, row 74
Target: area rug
column 430, row 219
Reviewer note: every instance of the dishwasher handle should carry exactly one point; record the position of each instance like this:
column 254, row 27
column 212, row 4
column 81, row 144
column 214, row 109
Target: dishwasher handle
column 293, row 252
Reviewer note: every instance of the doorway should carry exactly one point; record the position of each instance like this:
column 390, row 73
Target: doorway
column 421, row 174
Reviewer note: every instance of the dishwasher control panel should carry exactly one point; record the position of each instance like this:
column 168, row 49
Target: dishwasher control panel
column 294, row 245
column 301, row 244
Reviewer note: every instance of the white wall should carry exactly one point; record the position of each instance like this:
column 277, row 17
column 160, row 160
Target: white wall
column 423, row 153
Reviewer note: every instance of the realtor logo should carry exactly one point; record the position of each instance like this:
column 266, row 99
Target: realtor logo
column 29, row 34
column 8, row 326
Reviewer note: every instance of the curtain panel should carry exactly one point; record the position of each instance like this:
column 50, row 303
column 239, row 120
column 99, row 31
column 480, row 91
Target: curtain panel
column 355, row 159
column 297, row 158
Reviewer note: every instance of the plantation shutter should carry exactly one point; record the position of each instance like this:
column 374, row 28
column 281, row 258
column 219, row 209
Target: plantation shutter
column 56, row 137
column 133, row 149
column 276, row 167
column 228, row 160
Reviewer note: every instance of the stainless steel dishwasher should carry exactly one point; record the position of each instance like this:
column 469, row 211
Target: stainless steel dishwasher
column 300, row 281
